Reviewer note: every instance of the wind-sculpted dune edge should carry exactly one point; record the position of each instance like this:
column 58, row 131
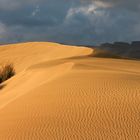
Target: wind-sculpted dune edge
column 62, row 92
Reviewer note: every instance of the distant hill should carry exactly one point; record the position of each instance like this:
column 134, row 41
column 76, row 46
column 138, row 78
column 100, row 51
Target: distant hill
column 123, row 49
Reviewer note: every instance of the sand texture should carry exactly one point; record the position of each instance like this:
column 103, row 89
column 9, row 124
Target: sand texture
column 62, row 93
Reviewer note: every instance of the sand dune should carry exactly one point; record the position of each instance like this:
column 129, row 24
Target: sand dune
column 61, row 92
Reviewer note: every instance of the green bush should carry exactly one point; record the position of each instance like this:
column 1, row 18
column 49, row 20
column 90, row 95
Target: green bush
column 6, row 72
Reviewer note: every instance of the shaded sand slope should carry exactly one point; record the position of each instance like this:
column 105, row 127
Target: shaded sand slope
column 71, row 98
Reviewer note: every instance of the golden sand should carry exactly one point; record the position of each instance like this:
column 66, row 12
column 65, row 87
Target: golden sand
column 61, row 93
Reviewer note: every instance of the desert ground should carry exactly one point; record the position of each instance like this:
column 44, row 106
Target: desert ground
column 62, row 92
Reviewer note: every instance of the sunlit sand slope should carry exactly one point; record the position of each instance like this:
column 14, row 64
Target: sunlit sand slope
column 66, row 94
column 26, row 54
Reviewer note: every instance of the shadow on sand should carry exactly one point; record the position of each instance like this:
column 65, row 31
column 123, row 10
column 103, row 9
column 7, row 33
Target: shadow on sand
column 2, row 86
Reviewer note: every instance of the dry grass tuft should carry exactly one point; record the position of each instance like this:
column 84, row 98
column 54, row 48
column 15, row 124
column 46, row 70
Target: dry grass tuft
column 6, row 72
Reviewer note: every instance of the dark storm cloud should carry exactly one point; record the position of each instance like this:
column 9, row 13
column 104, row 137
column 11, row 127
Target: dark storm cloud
column 69, row 21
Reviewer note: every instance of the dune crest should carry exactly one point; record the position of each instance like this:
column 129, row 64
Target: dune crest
column 24, row 55
column 61, row 92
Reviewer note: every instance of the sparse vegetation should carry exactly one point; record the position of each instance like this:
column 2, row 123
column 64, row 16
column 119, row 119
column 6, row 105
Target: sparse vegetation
column 6, row 72
column 105, row 54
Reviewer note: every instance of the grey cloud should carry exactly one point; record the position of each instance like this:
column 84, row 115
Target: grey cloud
column 9, row 5
column 131, row 5
column 72, row 22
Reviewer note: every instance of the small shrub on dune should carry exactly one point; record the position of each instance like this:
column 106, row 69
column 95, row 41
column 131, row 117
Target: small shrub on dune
column 6, row 72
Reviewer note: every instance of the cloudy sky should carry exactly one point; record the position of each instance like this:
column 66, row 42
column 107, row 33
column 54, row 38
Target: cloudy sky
column 84, row 22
